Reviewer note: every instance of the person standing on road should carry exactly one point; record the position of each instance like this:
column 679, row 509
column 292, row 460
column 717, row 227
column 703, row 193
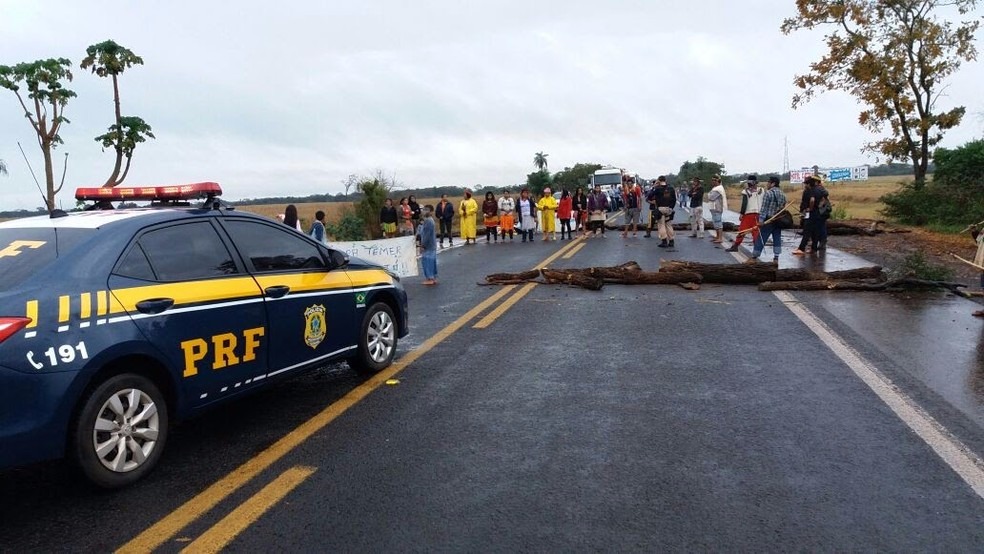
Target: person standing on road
column 565, row 210
column 548, row 205
column 579, row 205
column 807, row 201
column 632, row 200
column 665, row 207
column 427, row 242
column 719, row 205
column 683, row 195
column 406, row 218
column 823, row 209
column 468, row 211
column 526, row 214
column 597, row 207
column 773, row 202
column 414, row 211
column 445, row 216
column 490, row 214
column 388, row 219
column 751, row 203
column 507, row 214
column 696, row 208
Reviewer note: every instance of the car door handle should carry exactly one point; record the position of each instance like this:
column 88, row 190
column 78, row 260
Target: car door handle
column 277, row 291
column 154, row 305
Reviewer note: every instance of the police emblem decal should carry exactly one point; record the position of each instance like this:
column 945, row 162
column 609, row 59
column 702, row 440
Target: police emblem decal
column 315, row 325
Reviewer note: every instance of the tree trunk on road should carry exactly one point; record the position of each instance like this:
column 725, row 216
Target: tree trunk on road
column 861, row 285
column 734, row 274
column 873, row 272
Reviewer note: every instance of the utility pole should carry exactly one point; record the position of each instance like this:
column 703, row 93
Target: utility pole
column 785, row 155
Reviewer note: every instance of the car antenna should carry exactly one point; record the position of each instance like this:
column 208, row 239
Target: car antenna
column 31, row 169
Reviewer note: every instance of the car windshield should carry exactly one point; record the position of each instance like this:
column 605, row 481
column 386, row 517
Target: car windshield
column 608, row 179
column 24, row 252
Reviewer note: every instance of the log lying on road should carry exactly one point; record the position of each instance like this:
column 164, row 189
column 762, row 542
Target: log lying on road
column 512, row 278
column 873, row 272
column 572, row 278
column 734, row 274
column 905, row 283
column 622, row 276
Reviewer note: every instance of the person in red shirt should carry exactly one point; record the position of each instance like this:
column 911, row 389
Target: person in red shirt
column 564, row 212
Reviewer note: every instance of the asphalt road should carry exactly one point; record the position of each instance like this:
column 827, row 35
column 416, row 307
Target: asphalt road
column 630, row 419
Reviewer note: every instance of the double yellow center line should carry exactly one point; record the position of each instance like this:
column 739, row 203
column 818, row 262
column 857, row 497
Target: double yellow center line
column 239, row 519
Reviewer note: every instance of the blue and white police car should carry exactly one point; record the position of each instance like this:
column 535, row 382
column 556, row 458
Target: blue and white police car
column 116, row 323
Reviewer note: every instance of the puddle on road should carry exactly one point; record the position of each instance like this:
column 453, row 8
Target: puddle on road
column 932, row 336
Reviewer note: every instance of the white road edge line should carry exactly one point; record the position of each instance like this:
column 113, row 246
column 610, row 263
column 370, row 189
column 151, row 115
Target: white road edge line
column 961, row 459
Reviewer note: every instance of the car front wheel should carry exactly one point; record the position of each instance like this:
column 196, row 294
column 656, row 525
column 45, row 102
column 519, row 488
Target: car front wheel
column 121, row 430
column 377, row 340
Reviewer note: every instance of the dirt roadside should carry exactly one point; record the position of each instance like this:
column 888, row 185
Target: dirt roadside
column 889, row 250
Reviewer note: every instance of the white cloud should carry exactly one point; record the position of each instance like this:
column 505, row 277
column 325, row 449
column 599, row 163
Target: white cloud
column 291, row 97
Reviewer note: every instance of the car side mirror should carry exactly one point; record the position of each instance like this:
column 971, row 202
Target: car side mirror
column 338, row 259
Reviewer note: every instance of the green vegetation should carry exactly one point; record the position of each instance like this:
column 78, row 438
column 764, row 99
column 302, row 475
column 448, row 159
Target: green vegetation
column 109, row 58
column 572, row 177
column 374, row 193
column 839, row 213
column 349, row 227
column 537, row 181
column 955, row 195
column 540, row 161
column 916, row 265
column 45, row 82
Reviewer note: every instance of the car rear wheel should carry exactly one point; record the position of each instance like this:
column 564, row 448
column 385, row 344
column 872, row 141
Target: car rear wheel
column 121, row 430
column 377, row 340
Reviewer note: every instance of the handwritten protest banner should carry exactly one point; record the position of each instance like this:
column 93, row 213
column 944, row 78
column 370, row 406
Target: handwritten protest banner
column 398, row 255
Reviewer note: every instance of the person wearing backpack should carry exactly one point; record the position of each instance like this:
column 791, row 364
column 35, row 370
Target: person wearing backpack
column 824, row 209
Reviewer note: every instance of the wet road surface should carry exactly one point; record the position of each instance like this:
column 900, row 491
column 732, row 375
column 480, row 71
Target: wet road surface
column 633, row 418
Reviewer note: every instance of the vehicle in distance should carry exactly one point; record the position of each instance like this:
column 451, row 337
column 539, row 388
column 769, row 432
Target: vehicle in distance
column 116, row 323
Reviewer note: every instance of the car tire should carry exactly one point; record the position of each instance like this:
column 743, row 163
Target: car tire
column 377, row 340
column 120, row 432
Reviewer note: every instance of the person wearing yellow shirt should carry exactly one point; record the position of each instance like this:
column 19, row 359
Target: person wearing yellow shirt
column 548, row 205
column 468, row 210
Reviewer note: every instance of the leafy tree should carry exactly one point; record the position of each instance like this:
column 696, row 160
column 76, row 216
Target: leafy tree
column 955, row 196
column 109, row 58
column 348, row 227
column 44, row 81
column 3, row 167
column 540, row 161
column 572, row 177
column 893, row 56
column 374, row 193
column 703, row 168
column 537, row 181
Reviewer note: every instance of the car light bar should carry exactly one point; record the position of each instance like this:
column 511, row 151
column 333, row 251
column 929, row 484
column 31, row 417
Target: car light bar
column 171, row 192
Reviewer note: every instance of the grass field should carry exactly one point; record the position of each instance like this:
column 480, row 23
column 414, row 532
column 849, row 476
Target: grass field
column 859, row 199
column 333, row 210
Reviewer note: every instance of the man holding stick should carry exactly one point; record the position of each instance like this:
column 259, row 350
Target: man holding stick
column 773, row 203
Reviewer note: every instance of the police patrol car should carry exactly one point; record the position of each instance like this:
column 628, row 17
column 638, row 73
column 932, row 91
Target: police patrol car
column 115, row 323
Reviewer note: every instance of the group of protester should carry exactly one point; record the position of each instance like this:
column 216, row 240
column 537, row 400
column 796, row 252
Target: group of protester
column 400, row 220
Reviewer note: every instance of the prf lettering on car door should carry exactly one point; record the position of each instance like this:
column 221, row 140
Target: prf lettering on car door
column 225, row 350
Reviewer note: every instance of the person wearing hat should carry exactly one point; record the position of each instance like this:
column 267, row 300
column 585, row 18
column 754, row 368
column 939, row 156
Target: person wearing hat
column 548, row 205
column 751, row 203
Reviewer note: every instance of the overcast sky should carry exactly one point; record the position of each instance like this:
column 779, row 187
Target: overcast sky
column 290, row 97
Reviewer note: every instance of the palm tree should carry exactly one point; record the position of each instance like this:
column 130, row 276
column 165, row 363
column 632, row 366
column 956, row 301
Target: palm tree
column 540, row 160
